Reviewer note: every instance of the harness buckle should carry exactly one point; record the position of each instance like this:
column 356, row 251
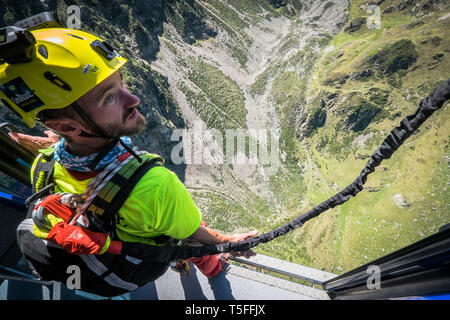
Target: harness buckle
column 181, row 266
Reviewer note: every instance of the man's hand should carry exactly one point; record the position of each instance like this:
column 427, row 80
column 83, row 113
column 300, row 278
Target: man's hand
column 240, row 237
column 207, row 235
column 34, row 143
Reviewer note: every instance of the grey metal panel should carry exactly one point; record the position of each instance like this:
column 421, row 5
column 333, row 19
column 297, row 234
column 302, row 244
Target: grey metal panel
column 169, row 286
column 418, row 269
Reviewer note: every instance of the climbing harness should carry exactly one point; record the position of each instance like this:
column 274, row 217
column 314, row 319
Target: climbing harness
column 105, row 194
column 108, row 192
column 109, row 273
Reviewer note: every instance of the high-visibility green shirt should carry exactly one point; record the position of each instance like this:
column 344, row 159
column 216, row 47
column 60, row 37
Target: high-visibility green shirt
column 159, row 204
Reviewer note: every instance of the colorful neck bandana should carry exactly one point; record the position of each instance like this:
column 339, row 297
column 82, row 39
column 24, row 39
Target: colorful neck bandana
column 81, row 163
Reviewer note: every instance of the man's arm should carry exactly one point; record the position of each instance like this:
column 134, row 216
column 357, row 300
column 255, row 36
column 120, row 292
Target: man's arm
column 207, row 235
column 34, row 143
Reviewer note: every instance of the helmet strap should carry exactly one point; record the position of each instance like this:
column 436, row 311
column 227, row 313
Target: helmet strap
column 130, row 150
column 100, row 133
column 102, row 154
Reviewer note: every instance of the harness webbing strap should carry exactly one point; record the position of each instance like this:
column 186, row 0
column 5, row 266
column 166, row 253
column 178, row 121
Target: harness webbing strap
column 395, row 139
column 120, row 198
column 43, row 170
column 102, row 154
column 42, row 177
column 104, row 207
column 44, row 191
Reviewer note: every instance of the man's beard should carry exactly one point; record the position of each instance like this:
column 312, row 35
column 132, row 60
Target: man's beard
column 120, row 131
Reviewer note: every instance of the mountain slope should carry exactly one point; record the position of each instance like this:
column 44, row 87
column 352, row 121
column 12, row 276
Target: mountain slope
column 312, row 78
column 366, row 81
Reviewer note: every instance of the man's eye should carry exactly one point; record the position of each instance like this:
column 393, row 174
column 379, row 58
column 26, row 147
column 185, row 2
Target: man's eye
column 108, row 99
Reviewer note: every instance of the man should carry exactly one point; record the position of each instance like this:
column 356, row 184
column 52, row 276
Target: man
column 74, row 87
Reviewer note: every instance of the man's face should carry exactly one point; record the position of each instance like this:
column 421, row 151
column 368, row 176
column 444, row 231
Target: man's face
column 113, row 108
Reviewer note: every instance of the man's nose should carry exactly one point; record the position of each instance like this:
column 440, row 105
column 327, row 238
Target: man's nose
column 129, row 99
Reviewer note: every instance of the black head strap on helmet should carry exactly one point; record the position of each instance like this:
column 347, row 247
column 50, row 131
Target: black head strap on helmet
column 98, row 132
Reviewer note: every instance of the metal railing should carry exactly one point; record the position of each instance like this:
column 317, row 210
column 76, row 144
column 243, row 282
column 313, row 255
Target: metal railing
column 275, row 270
column 47, row 294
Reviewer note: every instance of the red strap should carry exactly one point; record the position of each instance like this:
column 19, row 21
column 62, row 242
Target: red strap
column 115, row 247
column 82, row 175
column 123, row 157
column 208, row 265
column 77, row 240
column 53, row 204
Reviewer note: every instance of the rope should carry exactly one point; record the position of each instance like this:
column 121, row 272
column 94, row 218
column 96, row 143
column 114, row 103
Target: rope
column 391, row 143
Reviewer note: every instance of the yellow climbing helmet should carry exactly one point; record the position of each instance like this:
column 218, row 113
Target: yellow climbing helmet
column 61, row 66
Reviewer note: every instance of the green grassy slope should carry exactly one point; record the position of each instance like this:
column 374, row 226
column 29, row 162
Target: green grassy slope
column 407, row 198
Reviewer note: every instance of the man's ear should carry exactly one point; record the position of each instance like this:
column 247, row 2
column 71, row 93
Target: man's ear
column 67, row 127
